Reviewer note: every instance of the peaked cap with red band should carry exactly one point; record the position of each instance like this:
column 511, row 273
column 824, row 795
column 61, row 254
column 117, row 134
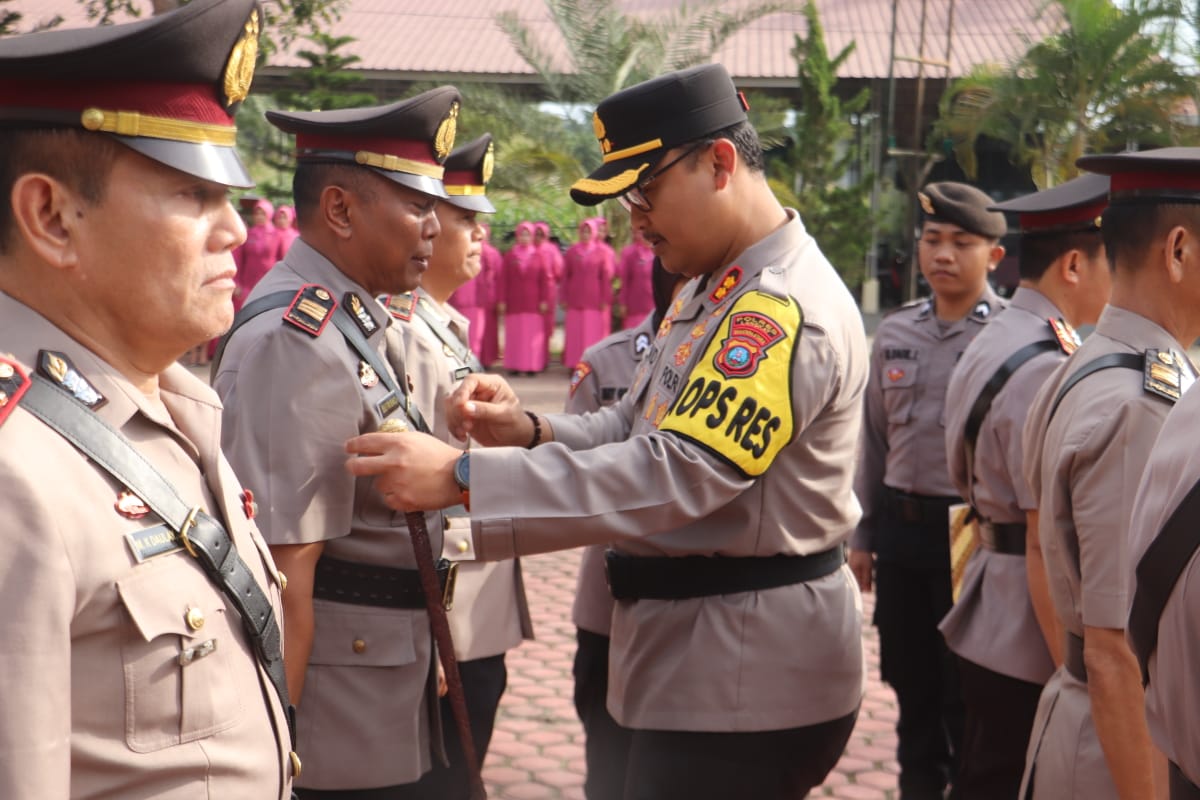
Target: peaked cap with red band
column 407, row 142
column 637, row 126
column 1070, row 207
column 167, row 86
column 468, row 169
column 1162, row 176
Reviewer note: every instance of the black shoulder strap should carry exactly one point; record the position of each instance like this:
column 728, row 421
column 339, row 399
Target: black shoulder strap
column 205, row 538
column 983, row 403
column 248, row 312
column 1158, row 572
column 447, row 337
column 1134, row 361
column 353, row 336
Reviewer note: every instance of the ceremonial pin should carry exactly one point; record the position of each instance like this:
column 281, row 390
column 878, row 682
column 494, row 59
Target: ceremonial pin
column 130, row 506
column 393, row 426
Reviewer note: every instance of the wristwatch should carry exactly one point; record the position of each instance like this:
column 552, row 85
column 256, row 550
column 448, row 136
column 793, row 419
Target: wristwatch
column 462, row 476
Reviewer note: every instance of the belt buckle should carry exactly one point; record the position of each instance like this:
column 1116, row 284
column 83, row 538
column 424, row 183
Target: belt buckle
column 448, row 589
column 189, row 522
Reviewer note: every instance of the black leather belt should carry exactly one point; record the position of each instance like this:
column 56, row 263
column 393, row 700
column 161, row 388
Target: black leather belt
column 1003, row 537
column 370, row 585
column 919, row 509
column 658, row 578
column 1181, row 788
column 1073, row 657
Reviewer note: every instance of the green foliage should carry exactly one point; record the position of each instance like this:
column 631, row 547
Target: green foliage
column 810, row 173
column 1100, row 84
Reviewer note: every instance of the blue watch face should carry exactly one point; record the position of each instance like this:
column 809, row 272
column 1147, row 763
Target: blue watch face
column 462, row 471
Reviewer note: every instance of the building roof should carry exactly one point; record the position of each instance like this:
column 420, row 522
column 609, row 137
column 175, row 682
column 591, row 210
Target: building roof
column 424, row 40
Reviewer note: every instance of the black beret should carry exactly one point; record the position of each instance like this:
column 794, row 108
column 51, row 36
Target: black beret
column 1165, row 175
column 407, row 142
column 637, row 126
column 167, row 86
column 468, row 169
column 962, row 205
column 1073, row 206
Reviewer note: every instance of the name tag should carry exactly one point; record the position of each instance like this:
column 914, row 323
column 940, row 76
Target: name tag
column 152, row 542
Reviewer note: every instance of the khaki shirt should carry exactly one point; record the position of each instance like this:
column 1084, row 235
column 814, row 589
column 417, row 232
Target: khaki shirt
column 1084, row 468
column 602, row 377
column 490, row 614
column 903, row 443
column 291, row 402
column 1172, row 696
column 629, row 475
column 95, row 702
column 993, row 624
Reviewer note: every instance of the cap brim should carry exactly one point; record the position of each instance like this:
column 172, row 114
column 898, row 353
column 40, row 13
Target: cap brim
column 614, row 179
column 471, row 202
column 208, row 161
column 430, row 186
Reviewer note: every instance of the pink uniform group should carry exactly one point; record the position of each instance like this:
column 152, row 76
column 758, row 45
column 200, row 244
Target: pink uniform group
column 267, row 241
column 526, row 286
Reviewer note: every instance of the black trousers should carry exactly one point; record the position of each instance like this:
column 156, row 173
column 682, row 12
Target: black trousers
column 606, row 744
column 999, row 718
column 910, row 601
column 484, row 681
column 765, row 765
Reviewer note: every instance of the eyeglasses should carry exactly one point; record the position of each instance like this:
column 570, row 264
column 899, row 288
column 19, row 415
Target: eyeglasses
column 636, row 196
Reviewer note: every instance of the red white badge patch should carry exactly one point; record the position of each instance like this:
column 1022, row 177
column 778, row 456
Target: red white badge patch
column 750, row 335
column 582, row 370
column 130, row 506
column 894, row 374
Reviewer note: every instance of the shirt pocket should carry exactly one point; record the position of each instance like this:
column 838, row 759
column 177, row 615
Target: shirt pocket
column 361, row 636
column 899, row 382
column 181, row 659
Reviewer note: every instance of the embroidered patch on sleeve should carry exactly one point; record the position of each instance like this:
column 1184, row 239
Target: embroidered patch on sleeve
column 582, row 370
column 737, row 400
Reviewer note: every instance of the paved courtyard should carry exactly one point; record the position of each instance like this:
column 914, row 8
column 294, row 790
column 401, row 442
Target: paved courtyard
column 537, row 750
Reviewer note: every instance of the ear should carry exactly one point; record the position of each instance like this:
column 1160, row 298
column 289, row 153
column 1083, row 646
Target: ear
column 1178, row 246
column 725, row 161
column 1068, row 266
column 46, row 214
column 336, row 203
column 995, row 257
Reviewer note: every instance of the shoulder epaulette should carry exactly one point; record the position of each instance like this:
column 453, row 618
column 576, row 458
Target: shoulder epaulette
column 311, row 309
column 402, row 306
column 13, row 383
column 773, row 281
column 1068, row 339
column 922, row 305
column 1163, row 374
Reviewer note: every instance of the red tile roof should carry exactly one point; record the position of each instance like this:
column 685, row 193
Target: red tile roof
column 426, row 39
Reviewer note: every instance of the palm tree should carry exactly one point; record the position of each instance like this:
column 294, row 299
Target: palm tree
column 1100, row 84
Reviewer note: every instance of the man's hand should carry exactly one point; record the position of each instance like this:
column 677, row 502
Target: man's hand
column 486, row 408
column 413, row 471
column 862, row 564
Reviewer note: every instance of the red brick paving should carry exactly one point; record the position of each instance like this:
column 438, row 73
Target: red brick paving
column 537, row 749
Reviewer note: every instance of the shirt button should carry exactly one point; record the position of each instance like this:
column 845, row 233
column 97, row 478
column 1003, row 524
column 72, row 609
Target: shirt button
column 195, row 618
column 463, row 546
column 359, row 646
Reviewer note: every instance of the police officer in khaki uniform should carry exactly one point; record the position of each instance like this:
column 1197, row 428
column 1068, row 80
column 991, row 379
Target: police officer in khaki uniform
column 601, row 378
column 904, row 484
column 128, row 668
column 303, row 369
column 490, row 615
column 735, row 443
column 1003, row 660
column 1086, row 442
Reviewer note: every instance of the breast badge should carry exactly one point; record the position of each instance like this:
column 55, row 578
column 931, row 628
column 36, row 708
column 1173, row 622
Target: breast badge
column 367, row 375
column 130, row 506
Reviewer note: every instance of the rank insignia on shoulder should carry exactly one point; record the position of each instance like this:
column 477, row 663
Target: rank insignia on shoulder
column 59, row 369
column 13, row 383
column 1067, row 338
column 1163, row 374
column 982, row 310
column 367, row 375
column 402, row 306
column 728, row 282
column 582, row 370
column 311, row 309
column 366, row 323
column 641, row 344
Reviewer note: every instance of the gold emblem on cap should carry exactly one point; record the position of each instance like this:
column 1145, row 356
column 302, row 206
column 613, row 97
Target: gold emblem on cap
column 489, row 163
column 598, row 126
column 443, row 141
column 926, row 203
column 393, row 426
column 239, row 69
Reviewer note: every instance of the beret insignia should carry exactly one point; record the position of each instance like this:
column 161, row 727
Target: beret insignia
column 239, row 70
column 926, row 203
